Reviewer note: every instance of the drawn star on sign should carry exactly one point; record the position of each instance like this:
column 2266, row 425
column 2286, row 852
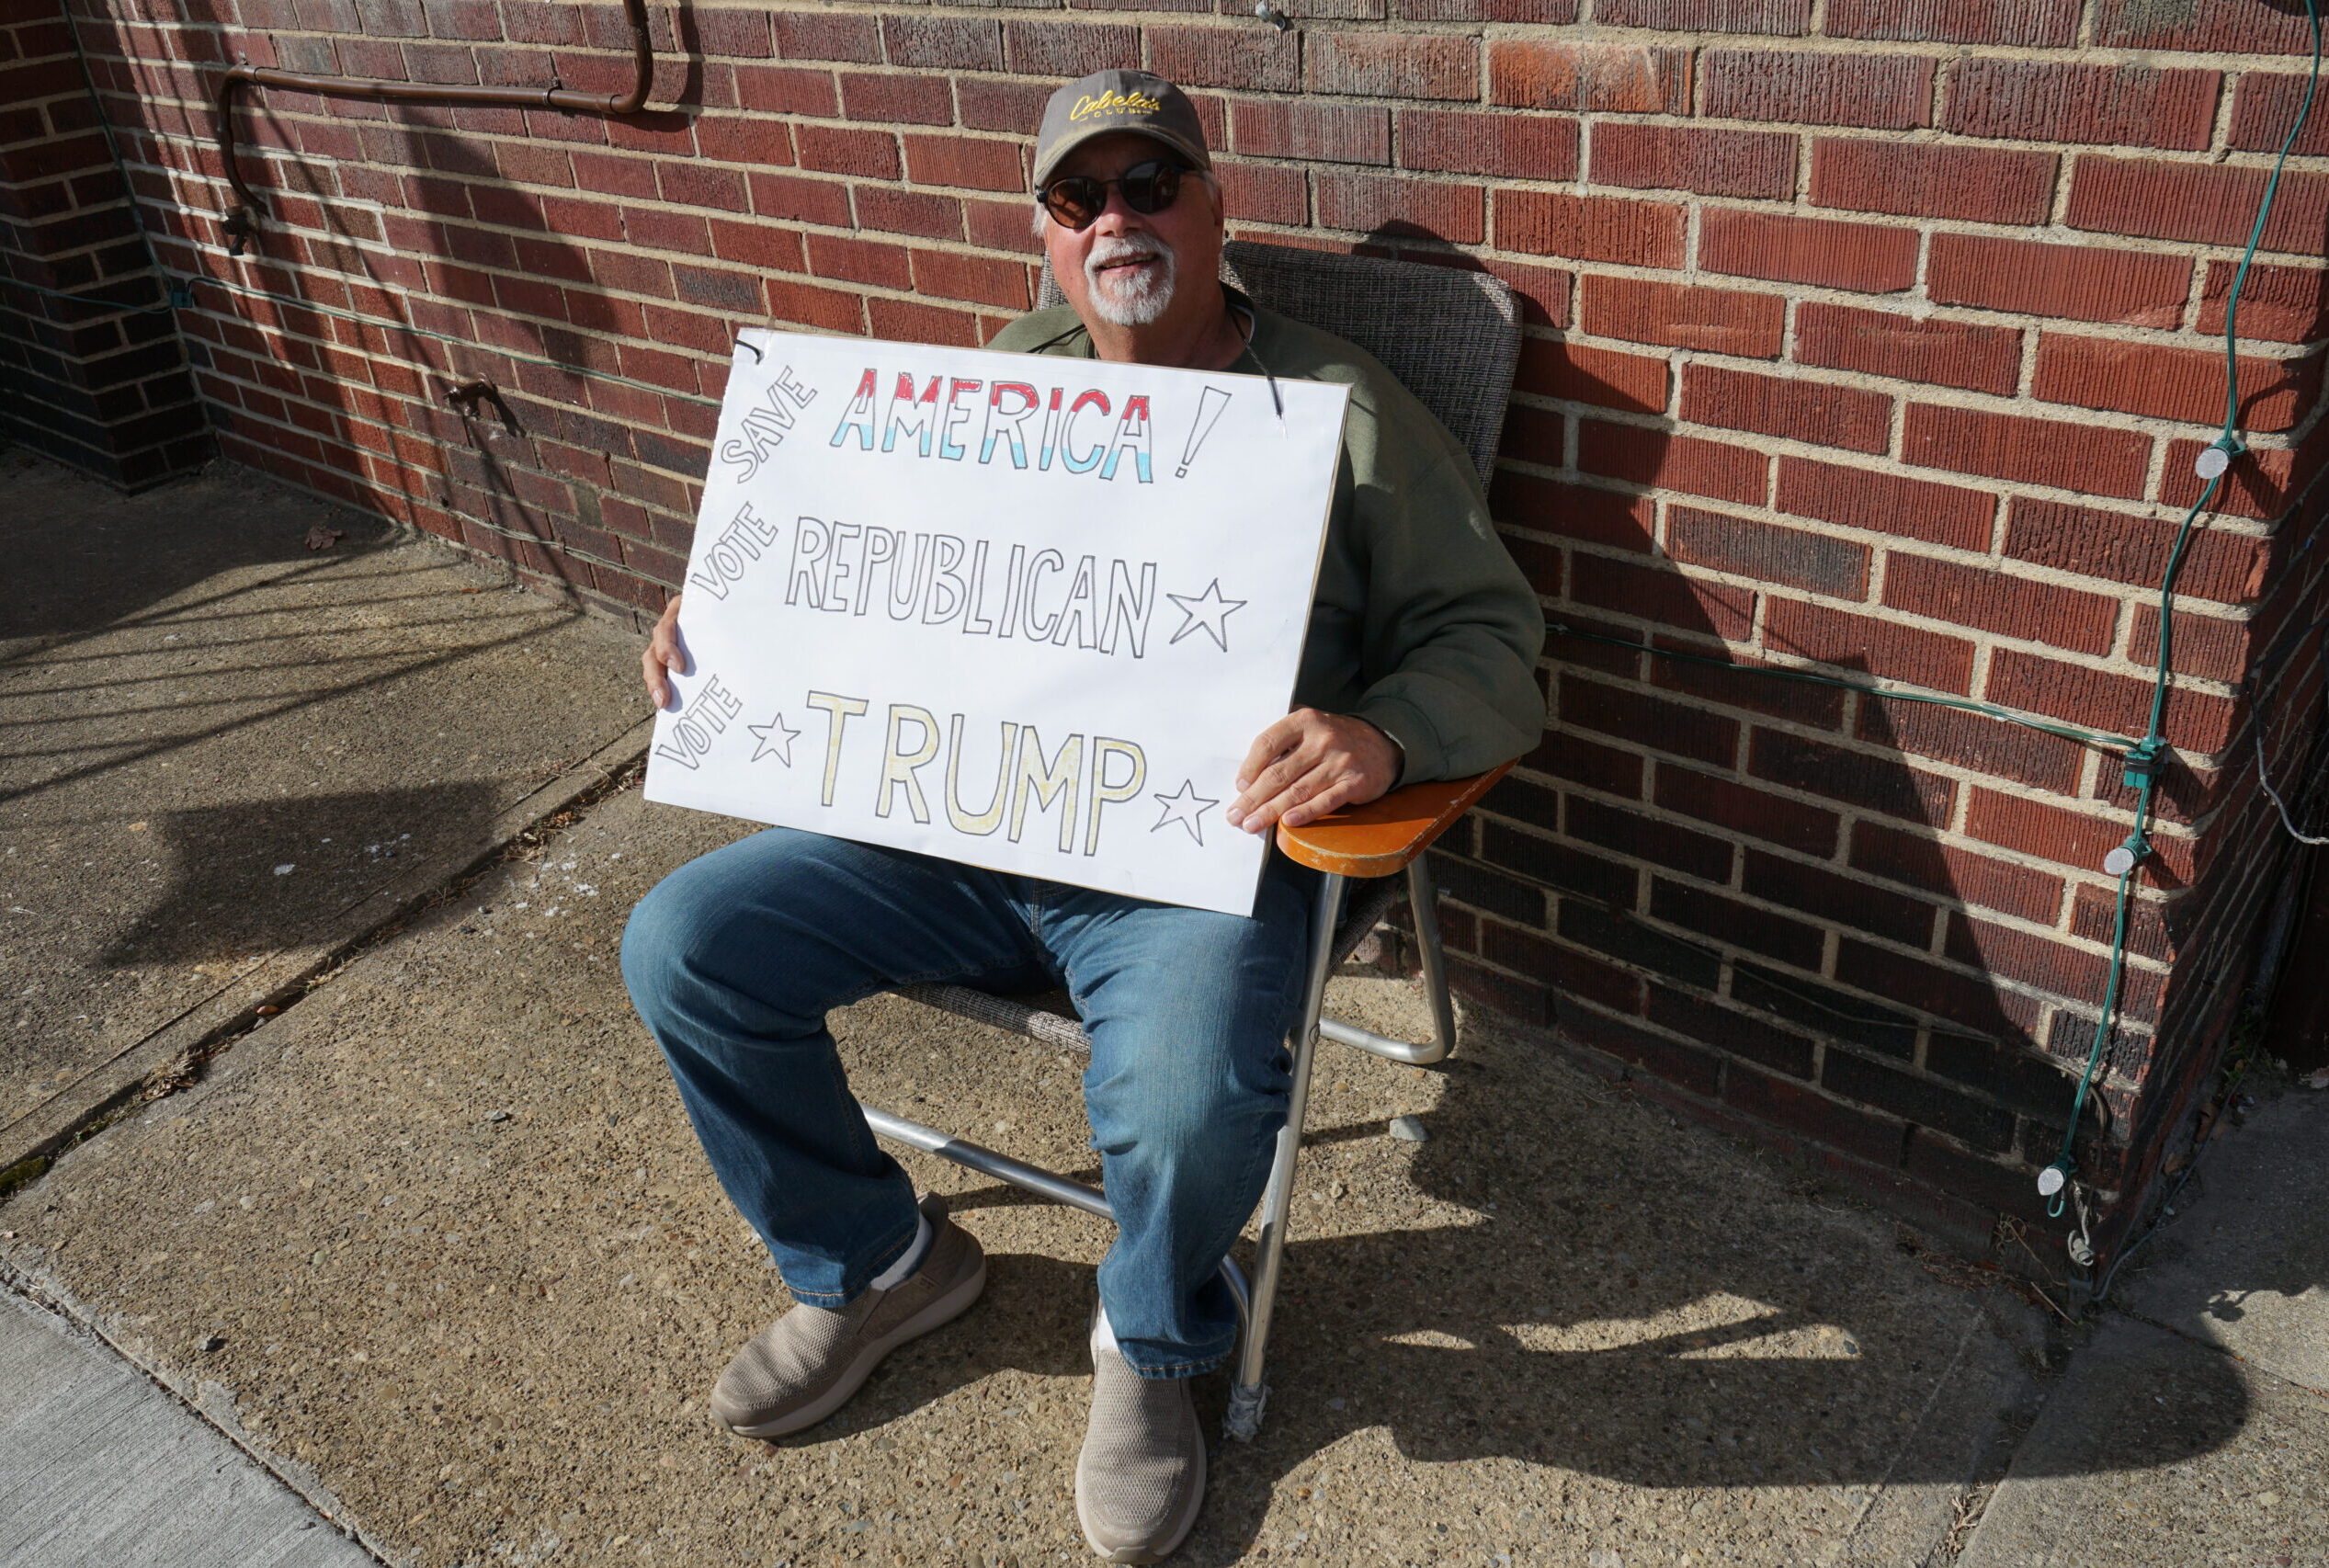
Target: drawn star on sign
column 773, row 739
column 1207, row 609
column 1184, row 808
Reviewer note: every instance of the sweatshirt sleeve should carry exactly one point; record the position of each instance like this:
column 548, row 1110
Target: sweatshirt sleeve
column 1452, row 628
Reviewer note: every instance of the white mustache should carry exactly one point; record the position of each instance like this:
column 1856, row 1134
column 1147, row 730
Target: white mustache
column 1109, row 251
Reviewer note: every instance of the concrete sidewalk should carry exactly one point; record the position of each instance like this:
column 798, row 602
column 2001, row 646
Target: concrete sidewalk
column 434, row 1242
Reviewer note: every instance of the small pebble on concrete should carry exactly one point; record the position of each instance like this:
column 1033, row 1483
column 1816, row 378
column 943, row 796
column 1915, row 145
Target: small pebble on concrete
column 1408, row 1129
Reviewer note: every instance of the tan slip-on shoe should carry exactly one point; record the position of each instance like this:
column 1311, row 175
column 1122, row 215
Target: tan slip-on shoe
column 1140, row 1477
column 804, row 1366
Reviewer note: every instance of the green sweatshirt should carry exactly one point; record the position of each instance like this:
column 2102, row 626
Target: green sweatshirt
column 1423, row 626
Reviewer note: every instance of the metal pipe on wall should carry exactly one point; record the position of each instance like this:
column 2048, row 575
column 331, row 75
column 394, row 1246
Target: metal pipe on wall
column 241, row 224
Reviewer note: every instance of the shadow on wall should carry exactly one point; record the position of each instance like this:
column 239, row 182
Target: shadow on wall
column 515, row 476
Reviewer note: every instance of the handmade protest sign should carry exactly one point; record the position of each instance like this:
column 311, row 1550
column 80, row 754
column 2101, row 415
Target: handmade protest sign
column 1020, row 611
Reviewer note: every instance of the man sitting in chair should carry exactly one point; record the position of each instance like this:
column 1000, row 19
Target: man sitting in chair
column 1418, row 665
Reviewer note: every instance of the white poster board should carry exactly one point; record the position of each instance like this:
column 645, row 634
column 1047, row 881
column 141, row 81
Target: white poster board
column 1022, row 611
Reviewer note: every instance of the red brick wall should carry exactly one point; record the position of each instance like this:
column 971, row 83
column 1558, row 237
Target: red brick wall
column 1870, row 336
column 102, row 386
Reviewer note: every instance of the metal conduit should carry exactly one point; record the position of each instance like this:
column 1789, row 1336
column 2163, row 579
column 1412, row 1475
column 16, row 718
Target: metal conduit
column 241, row 226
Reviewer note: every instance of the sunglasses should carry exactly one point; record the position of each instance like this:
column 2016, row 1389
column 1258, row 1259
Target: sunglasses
column 1078, row 201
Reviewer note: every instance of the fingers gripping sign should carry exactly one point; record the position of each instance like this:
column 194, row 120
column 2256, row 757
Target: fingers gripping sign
column 664, row 656
column 1310, row 763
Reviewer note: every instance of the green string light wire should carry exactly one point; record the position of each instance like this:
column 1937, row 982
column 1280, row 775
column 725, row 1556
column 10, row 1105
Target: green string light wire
column 2144, row 760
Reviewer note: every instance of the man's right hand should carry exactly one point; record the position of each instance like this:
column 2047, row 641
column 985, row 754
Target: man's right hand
column 664, row 658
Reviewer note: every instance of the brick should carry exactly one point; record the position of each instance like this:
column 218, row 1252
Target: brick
column 1676, row 315
column 1747, row 683
column 1603, row 377
column 773, row 90
column 1989, row 185
column 1373, row 203
column 2206, row 203
column 1628, row 941
column 1590, row 228
column 799, row 200
column 1878, row 92
column 1828, row 1011
column 1574, row 511
column 1542, row 13
column 1686, row 1067
column 845, row 150
column 1991, row 600
column 1626, row 831
column 1014, row 107
column 1856, row 1132
column 2014, row 954
column 1690, row 464
column 1797, row 557
column 1789, row 19
column 1562, row 866
column 913, row 100
column 1735, row 924
column 828, row 35
column 1867, row 257
column 1745, row 808
column 905, row 320
column 2283, row 305
column 1870, row 643
column 2033, row 451
column 1881, row 343
column 2040, row 100
column 1816, row 412
column 843, row 258
column 2078, row 282
column 1664, row 594
column 1487, row 889
column 1232, row 56
column 1852, row 901
column 1855, row 778
column 1588, row 78
column 1342, row 133
column 1681, row 157
column 1885, row 502
column 1570, row 972
column 942, row 43
column 2203, row 644
column 1734, row 1033
column 2264, row 110
column 1634, row 715
column 1921, row 1101
column 969, row 162
column 2261, row 483
column 1261, row 193
column 2166, row 383
column 1068, row 50
column 1994, row 747
column 1522, row 146
column 1519, row 999
column 734, row 35
column 2038, row 24
column 2231, row 25
column 2196, row 721
column 2122, row 548
column 909, row 212
column 1912, row 858
column 1391, row 65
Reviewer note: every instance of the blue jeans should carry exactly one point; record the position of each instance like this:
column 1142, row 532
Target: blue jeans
column 734, row 960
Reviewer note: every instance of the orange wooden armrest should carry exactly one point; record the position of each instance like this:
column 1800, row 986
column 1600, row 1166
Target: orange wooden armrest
column 1382, row 836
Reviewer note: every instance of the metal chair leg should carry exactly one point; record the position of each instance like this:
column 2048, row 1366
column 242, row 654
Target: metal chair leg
column 1249, row 1393
column 1047, row 1185
column 1423, row 899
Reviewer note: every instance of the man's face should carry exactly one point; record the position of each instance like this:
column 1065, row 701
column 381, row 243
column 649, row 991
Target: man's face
column 1124, row 267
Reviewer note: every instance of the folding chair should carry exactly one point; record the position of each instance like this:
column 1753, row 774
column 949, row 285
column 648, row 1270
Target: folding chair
column 1451, row 337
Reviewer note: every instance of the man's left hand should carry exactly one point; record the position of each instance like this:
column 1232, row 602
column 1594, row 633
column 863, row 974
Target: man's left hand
column 1309, row 764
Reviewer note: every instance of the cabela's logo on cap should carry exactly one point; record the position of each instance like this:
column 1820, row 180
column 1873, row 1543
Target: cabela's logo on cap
column 1087, row 107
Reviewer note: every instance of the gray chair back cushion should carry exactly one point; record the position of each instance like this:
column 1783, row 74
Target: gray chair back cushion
column 1451, row 336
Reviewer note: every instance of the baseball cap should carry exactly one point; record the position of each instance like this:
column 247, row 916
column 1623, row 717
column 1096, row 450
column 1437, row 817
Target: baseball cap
column 1109, row 101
